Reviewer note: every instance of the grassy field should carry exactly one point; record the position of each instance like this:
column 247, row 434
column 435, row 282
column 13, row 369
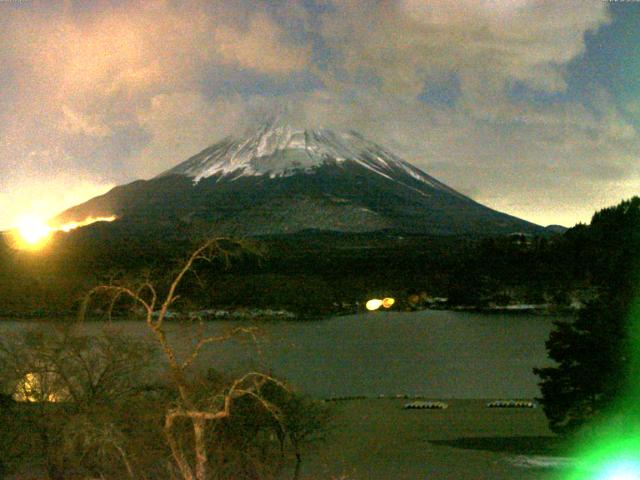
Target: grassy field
column 377, row 439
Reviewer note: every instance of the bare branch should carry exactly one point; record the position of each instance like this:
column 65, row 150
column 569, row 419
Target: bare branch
column 176, row 450
column 116, row 292
column 248, row 385
column 268, row 406
column 178, row 278
column 154, row 296
column 216, row 339
column 251, row 375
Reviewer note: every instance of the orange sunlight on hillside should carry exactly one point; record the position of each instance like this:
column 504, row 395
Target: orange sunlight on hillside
column 67, row 227
column 32, row 233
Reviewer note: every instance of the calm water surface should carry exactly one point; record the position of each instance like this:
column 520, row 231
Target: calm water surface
column 438, row 354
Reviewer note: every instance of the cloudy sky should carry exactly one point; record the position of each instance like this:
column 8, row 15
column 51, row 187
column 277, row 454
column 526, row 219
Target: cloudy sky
column 529, row 106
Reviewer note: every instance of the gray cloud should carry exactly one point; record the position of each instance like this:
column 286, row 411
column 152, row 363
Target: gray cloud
column 116, row 94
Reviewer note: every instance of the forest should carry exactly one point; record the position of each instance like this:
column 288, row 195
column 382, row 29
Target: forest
column 316, row 273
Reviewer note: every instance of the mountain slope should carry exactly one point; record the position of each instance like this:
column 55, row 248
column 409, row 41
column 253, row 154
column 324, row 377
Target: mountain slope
column 281, row 180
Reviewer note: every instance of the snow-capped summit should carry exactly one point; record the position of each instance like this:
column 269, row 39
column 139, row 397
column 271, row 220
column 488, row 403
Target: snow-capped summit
column 277, row 149
column 279, row 179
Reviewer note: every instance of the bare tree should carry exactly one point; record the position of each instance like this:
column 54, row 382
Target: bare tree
column 103, row 439
column 66, row 376
column 192, row 465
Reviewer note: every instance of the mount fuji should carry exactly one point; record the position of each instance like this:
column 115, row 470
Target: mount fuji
column 278, row 179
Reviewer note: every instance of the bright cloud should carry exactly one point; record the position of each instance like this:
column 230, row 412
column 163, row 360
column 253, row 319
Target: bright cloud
column 486, row 42
column 95, row 94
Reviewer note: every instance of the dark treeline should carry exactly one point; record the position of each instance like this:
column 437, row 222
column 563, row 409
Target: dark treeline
column 596, row 353
column 323, row 272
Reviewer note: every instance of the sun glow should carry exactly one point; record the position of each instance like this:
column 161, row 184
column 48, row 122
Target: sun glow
column 32, row 233
column 40, row 387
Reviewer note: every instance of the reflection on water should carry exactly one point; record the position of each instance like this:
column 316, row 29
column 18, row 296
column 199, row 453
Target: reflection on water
column 437, row 354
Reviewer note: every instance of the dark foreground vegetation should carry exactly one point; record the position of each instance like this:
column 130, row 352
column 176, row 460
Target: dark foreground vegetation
column 110, row 406
column 109, row 419
column 597, row 353
column 94, row 406
column 316, row 273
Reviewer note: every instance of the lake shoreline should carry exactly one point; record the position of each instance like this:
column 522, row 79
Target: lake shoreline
column 276, row 314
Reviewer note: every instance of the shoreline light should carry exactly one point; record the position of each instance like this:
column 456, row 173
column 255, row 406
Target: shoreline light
column 376, row 303
column 373, row 304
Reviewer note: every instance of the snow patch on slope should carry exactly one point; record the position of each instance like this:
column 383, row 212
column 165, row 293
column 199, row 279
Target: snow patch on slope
column 277, row 150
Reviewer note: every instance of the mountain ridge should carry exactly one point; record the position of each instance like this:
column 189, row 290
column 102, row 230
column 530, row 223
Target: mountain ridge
column 280, row 150
column 282, row 179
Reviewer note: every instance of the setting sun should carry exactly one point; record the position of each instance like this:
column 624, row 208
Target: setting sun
column 32, row 232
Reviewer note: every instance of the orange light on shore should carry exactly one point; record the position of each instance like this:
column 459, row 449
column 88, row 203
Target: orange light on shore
column 32, row 233
column 388, row 302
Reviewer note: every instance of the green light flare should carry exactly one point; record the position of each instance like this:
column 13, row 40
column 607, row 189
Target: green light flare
column 611, row 449
column 610, row 459
column 623, row 470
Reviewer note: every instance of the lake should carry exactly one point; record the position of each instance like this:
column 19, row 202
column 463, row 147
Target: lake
column 432, row 353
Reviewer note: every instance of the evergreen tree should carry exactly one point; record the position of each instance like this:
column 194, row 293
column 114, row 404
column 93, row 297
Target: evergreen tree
column 592, row 363
column 593, row 352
